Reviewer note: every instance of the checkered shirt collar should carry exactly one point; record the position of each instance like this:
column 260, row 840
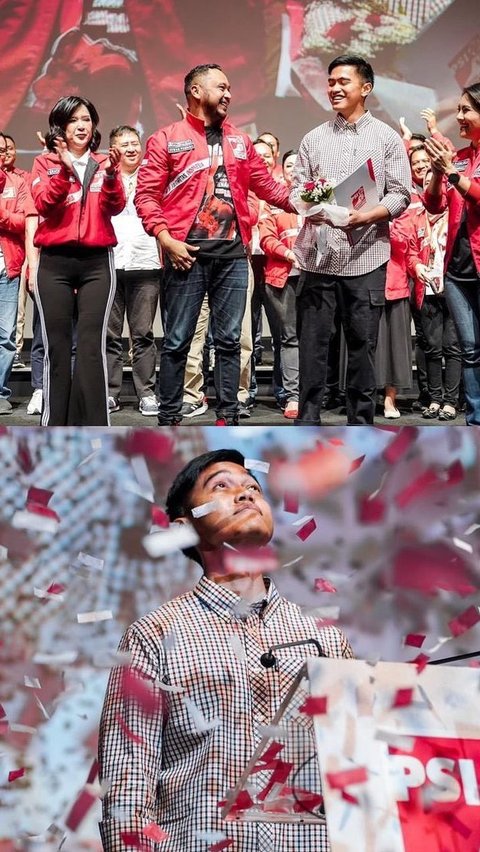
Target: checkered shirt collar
column 341, row 125
column 225, row 603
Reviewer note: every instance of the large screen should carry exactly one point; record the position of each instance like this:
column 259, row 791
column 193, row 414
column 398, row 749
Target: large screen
column 130, row 57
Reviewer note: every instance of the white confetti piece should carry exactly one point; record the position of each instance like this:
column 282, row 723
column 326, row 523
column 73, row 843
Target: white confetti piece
column 169, row 687
column 90, row 561
column 441, row 641
column 211, row 836
column 177, row 537
column 63, row 659
column 302, row 521
column 94, row 615
column 44, row 593
column 328, row 612
column 293, row 562
column 392, row 738
column 88, row 458
column 462, row 545
column 32, row 682
column 237, row 647
column 471, row 529
column 205, row 509
column 32, row 521
column 21, row 729
column 98, row 790
column 143, row 485
column 108, row 658
column 276, row 732
column 200, row 722
column 41, row 707
column 257, row 464
column 3, row 552
column 96, row 443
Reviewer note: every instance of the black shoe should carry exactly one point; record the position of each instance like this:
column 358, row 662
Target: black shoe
column 113, row 404
column 421, row 403
column 169, row 421
column 18, row 363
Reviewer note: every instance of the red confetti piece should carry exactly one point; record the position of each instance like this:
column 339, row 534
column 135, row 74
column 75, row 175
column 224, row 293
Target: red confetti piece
column 149, row 443
column 403, row 697
column 268, row 758
column 16, row 773
column 279, row 776
column 463, row 622
column 371, row 510
column 428, row 568
column 356, row 463
column 314, row 474
column 40, row 509
column 155, row 832
column 352, row 800
column 160, row 518
column 306, row 529
column 222, row 844
column 242, row 802
column 322, row 585
column 456, row 473
column 140, row 690
column 415, row 640
column 83, row 803
column 346, row 777
column 336, row 442
column 39, row 495
column 126, row 730
column 315, row 705
column 421, row 662
column 24, row 457
column 133, row 838
column 400, row 445
column 306, row 801
column 290, row 503
column 56, row 588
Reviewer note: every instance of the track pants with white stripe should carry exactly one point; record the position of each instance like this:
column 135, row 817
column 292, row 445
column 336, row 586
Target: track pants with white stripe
column 75, row 284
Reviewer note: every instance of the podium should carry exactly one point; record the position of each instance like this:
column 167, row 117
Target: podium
column 386, row 754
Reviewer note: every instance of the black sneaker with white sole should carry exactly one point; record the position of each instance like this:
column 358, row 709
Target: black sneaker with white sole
column 193, row 409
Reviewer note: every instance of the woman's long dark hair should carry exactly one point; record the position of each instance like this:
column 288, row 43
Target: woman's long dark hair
column 473, row 94
column 61, row 115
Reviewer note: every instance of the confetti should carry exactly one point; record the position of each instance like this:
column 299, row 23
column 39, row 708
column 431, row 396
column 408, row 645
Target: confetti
column 31, row 682
column 315, row 706
column 25, row 520
column 143, row 485
column 399, row 447
column 252, row 560
column 3, row 552
column 177, row 537
column 92, row 562
column 308, row 526
column 356, row 463
column 141, row 691
column 428, row 568
column 314, row 474
column 205, row 509
column 290, row 503
column 471, row 529
column 462, row 545
column 200, row 723
column 237, row 647
column 415, row 640
column 46, row 595
column 421, row 662
column 135, row 738
column 395, row 740
column 94, row 615
column 160, row 518
column 371, row 510
column 83, row 803
column 223, row 844
column 323, row 585
column 169, row 687
column 16, row 773
column 258, row 465
column 22, row 729
column 346, row 777
column 403, row 697
column 463, row 622
column 152, row 444
column 62, row 659
column 132, row 838
column 39, row 495
column 155, row 832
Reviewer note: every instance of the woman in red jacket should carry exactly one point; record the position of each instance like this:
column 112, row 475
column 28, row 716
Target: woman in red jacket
column 76, row 192
column 455, row 185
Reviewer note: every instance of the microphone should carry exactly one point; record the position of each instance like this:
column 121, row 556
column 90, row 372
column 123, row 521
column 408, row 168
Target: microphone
column 268, row 659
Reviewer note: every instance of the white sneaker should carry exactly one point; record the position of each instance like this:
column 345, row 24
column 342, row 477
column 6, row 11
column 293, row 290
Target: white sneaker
column 36, row 402
column 148, row 406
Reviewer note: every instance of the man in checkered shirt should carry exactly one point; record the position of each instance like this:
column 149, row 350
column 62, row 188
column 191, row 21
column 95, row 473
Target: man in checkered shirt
column 169, row 759
column 350, row 276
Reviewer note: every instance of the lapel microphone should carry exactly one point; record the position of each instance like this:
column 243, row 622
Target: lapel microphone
column 268, row 659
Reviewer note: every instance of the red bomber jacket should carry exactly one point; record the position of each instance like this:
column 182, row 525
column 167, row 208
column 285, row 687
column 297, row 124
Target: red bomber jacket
column 71, row 214
column 172, row 179
column 278, row 232
column 467, row 162
column 15, row 205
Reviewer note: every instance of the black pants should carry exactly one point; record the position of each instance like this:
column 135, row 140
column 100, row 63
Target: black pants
column 136, row 296
column 360, row 301
column 68, row 279
column 441, row 341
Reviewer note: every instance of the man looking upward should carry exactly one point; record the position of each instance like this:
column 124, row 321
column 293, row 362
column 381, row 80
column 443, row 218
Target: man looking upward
column 171, row 767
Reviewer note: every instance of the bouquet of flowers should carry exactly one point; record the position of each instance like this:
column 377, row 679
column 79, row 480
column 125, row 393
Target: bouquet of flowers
column 317, row 191
column 318, row 196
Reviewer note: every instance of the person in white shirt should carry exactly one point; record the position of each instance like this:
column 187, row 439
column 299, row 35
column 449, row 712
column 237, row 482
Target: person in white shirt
column 138, row 271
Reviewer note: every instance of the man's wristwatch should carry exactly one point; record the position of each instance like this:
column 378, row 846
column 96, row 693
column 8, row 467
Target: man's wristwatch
column 453, row 178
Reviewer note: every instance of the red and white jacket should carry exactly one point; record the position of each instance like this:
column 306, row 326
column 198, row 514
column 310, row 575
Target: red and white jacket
column 419, row 250
column 467, row 162
column 72, row 214
column 15, row 205
column 173, row 177
column 278, row 232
